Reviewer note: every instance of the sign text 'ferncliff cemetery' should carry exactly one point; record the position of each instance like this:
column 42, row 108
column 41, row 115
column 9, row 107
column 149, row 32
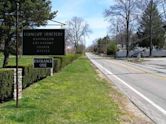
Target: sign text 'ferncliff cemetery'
column 44, row 42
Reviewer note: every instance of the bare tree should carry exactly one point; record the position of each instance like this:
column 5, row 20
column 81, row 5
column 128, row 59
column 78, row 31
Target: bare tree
column 76, row 32
column 164, row 7
column 126, row 11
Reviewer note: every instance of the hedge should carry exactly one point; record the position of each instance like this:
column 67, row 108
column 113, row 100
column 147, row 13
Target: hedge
column 6, row 84
column 62, row 61
column 57, row 64
column 30, row 75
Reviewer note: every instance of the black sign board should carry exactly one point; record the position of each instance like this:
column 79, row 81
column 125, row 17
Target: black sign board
column 44, row 42
column 43, row 62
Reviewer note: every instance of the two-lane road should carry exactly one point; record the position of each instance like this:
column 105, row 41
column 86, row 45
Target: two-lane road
column 145, row 87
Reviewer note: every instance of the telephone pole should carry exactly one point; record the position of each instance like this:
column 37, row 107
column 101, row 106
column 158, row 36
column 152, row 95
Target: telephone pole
column 17, row 88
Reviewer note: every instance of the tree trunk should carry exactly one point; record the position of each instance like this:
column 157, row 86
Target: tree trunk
column 150, row 26
column 6, row 58
column 6, row 52
column 76, row 48
column 127, row 39
column 150, row 51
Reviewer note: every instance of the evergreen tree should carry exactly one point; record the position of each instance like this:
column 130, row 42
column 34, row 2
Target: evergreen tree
column 150, row 31
column 102, row 44
column 31, row 13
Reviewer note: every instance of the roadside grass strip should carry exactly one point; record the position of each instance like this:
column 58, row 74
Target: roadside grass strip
column 76, row 95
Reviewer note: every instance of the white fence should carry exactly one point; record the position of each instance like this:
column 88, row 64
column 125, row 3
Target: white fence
column 145, row 53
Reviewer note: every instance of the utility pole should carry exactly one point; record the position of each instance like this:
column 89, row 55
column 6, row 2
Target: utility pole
column 127, row 38
column 150, row 26
column 17, row 88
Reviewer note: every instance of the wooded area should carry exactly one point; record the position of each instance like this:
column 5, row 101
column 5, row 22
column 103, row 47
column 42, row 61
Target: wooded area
column 134, row 23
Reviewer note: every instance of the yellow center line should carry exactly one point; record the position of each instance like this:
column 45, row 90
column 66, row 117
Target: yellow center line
column 150, row 72
column 135, row 68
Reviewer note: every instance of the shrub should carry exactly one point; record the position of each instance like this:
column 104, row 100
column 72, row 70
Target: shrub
column 6, row 84
column 62, row 61
column 112, row 48
column 31, row 75
column 57, row 64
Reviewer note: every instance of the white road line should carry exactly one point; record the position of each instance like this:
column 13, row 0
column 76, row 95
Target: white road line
column 123, row 82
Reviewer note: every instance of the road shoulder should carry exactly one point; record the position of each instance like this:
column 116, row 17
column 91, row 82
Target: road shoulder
column 131, row 114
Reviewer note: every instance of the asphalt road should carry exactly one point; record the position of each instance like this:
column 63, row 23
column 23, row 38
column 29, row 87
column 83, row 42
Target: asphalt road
column 144, row 84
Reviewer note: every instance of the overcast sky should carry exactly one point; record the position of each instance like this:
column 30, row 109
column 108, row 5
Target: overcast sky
column 90, row 10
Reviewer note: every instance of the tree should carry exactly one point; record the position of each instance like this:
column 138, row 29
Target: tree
column 102, row 44
column 112, row 48
column 126, row 11
column 150, row 29
column 93, row 46
column 81, row 49
column 77, row 30
column 32, row 13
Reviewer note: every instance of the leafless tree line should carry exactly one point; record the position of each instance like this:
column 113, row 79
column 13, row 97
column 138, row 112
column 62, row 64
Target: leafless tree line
column 125, row 15
column 76, row 33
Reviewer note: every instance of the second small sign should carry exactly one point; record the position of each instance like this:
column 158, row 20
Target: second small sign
column 43, row 62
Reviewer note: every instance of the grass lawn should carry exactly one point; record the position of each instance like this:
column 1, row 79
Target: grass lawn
column 76, row 95
column 23, row 60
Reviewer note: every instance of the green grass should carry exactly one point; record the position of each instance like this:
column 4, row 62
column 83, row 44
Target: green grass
column 23, row 60
column 73, row 96
column 1, row 59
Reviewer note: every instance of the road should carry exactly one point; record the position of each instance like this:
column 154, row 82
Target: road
column 143, row 84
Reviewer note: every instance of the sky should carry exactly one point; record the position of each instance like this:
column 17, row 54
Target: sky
column 90, row 10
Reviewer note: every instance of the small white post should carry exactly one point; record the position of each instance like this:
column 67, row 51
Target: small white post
column 51, row 72
column 19, row 84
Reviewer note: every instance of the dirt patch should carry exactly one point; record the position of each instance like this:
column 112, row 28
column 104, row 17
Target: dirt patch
column 130, row 113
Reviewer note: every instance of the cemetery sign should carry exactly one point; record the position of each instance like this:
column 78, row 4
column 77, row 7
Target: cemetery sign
column 44, row 42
